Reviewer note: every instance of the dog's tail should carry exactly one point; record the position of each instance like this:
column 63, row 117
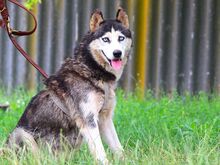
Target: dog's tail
column 19, row 138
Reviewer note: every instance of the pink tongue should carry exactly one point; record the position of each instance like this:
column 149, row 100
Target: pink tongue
column 116, row 64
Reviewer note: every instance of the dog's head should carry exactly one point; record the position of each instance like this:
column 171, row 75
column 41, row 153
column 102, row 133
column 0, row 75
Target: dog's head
column 111, row 42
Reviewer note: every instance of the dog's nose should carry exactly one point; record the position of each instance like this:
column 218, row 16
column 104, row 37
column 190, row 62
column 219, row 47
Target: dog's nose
column 117, row 53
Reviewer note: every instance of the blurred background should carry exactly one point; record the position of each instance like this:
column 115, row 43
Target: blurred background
column 176, row 43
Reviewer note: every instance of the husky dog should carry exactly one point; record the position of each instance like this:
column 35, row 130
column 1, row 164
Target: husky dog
column 79, row 99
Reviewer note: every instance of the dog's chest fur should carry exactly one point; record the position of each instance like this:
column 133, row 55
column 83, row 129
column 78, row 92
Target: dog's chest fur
column 80, row 94
column 109, row 96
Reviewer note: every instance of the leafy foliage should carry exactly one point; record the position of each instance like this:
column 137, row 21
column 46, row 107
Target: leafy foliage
column 30, row 3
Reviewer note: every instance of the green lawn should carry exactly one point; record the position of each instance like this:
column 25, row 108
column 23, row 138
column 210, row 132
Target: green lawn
column 181, row 130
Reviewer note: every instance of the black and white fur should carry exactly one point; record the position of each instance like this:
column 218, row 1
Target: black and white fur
column 79, row 100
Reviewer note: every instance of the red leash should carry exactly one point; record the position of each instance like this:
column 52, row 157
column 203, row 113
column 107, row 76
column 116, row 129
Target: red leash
column 11, row 33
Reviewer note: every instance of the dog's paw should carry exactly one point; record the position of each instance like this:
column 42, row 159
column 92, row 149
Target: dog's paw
column 119, row 154
column 104, row 162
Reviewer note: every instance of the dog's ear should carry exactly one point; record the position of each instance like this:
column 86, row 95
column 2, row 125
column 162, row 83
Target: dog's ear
column 95, row 20
column 122, row 17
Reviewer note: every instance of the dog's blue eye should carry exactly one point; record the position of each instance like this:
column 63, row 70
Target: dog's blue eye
column 121, row 38
column 106, row 39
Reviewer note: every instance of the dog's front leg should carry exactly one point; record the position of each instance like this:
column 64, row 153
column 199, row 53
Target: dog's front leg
column 110, row 136
column 92, row 137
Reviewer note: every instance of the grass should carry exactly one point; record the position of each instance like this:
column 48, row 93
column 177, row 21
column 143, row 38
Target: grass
column 181, row 130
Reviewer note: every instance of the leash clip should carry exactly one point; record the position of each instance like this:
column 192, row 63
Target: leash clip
column 9, row 29
column 8, row 26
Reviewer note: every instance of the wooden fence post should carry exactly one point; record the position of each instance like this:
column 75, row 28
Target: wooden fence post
column 31, row 49
column 216, row 58
column 141, row 53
